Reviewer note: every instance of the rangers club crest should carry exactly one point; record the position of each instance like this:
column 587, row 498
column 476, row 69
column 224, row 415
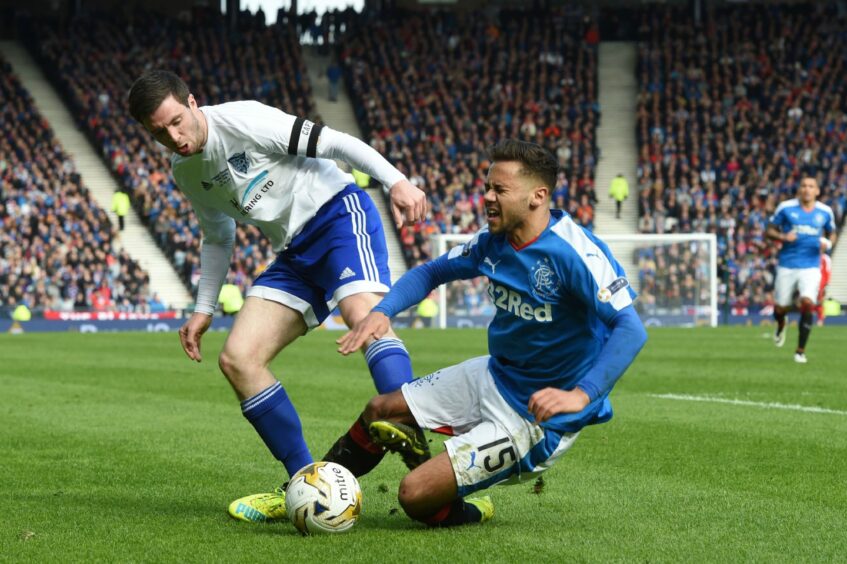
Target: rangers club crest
column 543, row 281
column 239, row 162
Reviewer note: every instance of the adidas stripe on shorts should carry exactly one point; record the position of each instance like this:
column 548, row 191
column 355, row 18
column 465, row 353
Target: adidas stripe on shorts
column 340, row 252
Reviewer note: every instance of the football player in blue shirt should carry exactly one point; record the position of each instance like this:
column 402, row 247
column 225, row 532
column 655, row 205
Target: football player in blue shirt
column 805, row 227
column 564, row 332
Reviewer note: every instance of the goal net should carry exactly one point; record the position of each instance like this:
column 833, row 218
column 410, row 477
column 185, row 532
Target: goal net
column 675, row 277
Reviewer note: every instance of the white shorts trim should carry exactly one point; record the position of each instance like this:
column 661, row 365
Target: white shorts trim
column 286, row 299
column 356, row 287
column 806, row 281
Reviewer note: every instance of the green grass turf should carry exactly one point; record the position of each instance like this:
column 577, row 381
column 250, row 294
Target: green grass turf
column 114, row 447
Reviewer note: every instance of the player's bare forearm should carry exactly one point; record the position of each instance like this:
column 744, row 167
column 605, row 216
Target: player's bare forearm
column 547, row 402
column 775, row 234
column 374, row 326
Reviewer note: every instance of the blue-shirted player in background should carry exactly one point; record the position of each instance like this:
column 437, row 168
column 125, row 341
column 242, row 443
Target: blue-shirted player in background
column 805, row 227
column 564, row 332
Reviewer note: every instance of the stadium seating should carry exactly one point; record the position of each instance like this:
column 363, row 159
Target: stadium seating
column 432, row 91
column 56, row 245
column 730, row 116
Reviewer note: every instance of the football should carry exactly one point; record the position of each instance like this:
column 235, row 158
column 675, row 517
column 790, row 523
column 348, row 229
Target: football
column 323, row 497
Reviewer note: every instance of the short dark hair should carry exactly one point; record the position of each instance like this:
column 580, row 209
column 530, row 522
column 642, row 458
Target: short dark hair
column 535, row 160
column 151, row 89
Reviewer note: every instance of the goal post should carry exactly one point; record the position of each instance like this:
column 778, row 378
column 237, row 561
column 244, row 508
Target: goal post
column 675, row 276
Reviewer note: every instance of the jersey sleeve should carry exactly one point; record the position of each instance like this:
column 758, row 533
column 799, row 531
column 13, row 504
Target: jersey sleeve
column 460, row 263
column 464, row 259
column 780, row 219
column 278, row 132
column 358, row 154
column 218, row 239
column 271, row 129
column 598, row 280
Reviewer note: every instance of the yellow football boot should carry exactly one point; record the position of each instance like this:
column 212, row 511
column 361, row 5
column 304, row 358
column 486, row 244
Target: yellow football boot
column 485, row 506
column 260, row 508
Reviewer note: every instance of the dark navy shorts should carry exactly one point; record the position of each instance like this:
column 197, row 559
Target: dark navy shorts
column 340, row 252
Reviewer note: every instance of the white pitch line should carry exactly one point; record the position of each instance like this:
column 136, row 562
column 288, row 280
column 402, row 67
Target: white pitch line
column 766, row 405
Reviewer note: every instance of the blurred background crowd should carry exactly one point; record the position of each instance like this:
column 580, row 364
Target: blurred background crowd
column 731, row 112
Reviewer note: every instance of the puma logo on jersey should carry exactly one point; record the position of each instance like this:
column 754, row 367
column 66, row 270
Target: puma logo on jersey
column 513, row 302
column 493, row 265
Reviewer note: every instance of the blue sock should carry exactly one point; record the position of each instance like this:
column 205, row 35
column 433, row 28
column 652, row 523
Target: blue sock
column 389, row 363
column 275, row 419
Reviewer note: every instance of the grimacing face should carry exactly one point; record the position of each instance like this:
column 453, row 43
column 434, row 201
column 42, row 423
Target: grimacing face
column 507, row 197
column 178, row 127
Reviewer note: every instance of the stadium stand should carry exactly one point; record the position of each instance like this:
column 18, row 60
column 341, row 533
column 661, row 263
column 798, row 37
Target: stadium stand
column 730, row 116
column 94, row 61
column 433, row 90
column 57, row 247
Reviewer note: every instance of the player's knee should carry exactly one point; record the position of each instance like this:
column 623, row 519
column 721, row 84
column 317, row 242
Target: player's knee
column 227, row 364
column 806, row 305
column 411, row 494
column 356, row 307
column 232, row 362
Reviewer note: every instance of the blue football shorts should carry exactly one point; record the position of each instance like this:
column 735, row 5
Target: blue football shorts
column 491, row 442
column 340, row 252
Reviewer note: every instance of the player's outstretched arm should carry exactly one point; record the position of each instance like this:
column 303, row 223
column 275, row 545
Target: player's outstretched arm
column 408, row 203
column 375, row 325
column 626, row 340
column 191, row 332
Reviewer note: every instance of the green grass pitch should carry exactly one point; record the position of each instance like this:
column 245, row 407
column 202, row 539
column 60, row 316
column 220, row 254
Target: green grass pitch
column 114, row 447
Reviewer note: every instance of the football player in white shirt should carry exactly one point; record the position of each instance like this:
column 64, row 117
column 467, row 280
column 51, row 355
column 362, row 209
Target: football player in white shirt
column 253, row 163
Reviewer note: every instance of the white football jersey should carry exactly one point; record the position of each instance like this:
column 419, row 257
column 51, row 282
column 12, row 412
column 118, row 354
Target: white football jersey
column 261, row 166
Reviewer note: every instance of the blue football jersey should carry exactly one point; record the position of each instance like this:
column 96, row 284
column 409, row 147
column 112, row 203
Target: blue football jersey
column 554, row 298
column 810, row 226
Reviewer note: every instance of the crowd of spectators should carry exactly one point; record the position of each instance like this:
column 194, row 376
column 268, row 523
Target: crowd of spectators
column 433, row 90
column 57, row 247
column 675, row 279
column 534, row 78
column 95, row 59
column 731, row 114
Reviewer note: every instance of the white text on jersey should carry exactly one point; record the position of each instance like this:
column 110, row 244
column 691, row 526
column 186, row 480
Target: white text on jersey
column 511, row 301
